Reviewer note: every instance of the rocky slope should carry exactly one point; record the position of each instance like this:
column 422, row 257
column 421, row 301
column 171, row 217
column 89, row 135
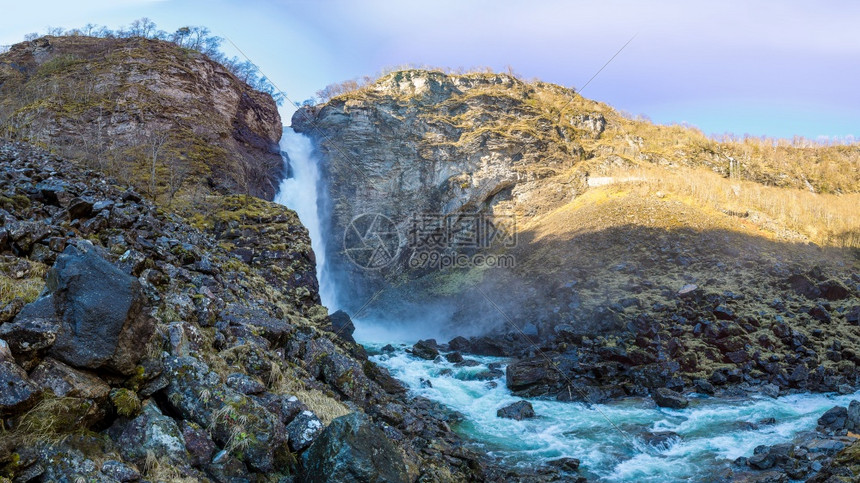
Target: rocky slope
column 150, row 348
column 167, row 119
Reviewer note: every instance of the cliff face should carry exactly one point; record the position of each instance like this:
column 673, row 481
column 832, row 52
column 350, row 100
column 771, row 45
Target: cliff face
column 602, row 205
column 167, row 119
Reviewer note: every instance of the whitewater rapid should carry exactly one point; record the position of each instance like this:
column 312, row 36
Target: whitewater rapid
column 713, row 432
column 300, row 191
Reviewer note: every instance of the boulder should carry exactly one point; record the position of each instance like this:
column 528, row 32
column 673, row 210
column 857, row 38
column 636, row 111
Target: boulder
column 425, row 350
column 853, row 422
column 667, row 398
column 454, row 357
column 18, row 393
column 352, row 448
column 342, row 326
column 35, row 328
column 834, row 419
column 103, row 321
column 565, row 464
column 198, row 444
column 196, row 394
column 245, row 384
column 150, row 432
column 120, row 471
column 303, row 430
column 459, row 344
column 529, row 372
column 66, row 381
column 661, row 440
column 833, row 290
column 803, row 285
column 519, row 410
column 5, row 352
column 489, row 346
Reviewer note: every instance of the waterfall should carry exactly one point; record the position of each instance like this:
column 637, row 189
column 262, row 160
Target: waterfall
column 299, row 191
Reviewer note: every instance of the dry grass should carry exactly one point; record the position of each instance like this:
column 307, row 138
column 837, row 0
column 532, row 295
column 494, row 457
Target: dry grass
column 285, row 381
column 52, row 419
column 27, row 287
column 790, row 214
column 156, row 470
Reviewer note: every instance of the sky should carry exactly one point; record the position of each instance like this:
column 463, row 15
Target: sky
column 769, row 68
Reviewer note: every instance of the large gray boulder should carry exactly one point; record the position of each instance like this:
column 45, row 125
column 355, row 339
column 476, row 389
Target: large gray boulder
column 352, row 448
column 103, row 324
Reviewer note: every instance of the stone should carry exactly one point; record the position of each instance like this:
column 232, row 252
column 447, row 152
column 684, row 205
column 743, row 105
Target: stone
column 688, row 291
column 761, row 461
column 704, row 386
column 833, row 290
column 120, row 471
column 853, row 422
column 342, row 326
column 724, row 313
column 661, row 440
column 5, row 352
column 18, row 392
column 352, row 448
column 34, row 329
column 198, row 443
column 802, row 285
column 820, row 314
column 79, row 208
column 459, row 344
column 518, row 411
column 425, row 350
column 196, row 394
column 150, row 432
column 245, row 384
column 11, row 309
column 103, row 321
column 834, row 419
column 566, row 464
column 65, row 381
column 303, row 430
column 667, row 398
column 454, row 357
column 529, row 372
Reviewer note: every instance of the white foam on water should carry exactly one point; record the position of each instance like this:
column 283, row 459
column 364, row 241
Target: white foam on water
column 712, row 431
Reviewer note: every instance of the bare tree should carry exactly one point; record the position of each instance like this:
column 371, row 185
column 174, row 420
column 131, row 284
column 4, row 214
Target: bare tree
column 156, row 142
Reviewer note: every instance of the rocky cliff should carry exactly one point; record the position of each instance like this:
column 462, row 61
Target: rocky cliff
column 137, row 345
column 611, row 214
column 167, row 119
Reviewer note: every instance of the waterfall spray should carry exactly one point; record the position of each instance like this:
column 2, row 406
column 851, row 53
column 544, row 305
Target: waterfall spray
column 299, row 191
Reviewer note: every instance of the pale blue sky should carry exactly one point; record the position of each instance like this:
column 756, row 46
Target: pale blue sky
column 764, row 68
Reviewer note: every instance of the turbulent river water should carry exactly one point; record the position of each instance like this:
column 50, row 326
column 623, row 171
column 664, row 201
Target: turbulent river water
column 609, row 439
